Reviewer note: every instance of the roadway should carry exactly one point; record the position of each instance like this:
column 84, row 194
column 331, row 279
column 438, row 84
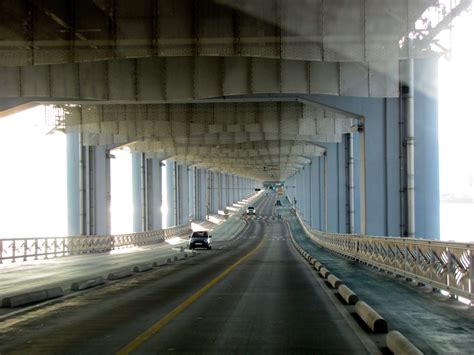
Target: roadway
column 28, row 276
column 250, row 294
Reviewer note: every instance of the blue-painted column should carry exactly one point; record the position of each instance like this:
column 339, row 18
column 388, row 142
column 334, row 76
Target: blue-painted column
column 307, row 195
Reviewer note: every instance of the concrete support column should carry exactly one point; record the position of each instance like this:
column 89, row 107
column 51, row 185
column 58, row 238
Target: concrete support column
column 315, row 193
column 201, row 194
column 215, row 192
column 192, row 192
column 170, row 193
column 88, row 188
column 154, row 179
column 409, row 119
column 226, row 190
column 74, row 193
column 182, row 194
column 102, row 193
column 147, row 193
column 178, row 192
column 350, row 184
column 306, row 201
column 197, row 199
column 233, row 189
column 362, row 185
column 97, row 189
column 208, row 192
column 300, row 204
column 138, row 213
column 241, row 188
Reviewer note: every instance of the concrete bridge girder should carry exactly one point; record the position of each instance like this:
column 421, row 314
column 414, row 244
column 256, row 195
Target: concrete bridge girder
column 283, row 146
column 263, row 160
column 190, row 78
column 227, row 153
column 215, row 139
column 182, row 121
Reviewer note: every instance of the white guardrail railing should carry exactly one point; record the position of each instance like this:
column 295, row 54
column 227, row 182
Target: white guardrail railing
column 23, row 249
column 442, row 265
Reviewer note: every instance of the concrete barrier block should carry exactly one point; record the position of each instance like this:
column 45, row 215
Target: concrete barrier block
column 143, row 267
column 370, row 317
column 347, row 294
column 161, row 262
column 324, row 272
column 84, row 284
column 32, row 297
column 119, row 274
column 318, row 265
column 398, row 344
column 334, row 281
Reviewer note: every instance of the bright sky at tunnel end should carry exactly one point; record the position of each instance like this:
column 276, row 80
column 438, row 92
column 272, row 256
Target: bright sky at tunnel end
column 33, row 179
column 456, row 127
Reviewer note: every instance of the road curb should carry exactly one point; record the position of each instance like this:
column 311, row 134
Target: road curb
column 324, row 272
column 347, row 294
column 84, row 284
column 370, row 317
column 32, row 297
column 143, row 267
column 334, row 281
column 398, row 344
column 119, row 274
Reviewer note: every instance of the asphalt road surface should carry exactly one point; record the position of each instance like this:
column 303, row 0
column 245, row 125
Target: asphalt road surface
column 252, row 294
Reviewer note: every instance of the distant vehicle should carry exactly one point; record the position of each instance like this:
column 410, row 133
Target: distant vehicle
column 278, row 203
column 200, row 239
column 250, row 210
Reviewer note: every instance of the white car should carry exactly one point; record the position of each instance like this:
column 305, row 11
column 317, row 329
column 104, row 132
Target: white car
column 250, row 210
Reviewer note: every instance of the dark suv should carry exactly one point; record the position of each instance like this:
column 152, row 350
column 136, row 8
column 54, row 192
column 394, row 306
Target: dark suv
column 200, row 239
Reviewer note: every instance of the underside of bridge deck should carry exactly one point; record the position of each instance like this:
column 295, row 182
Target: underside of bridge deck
column 320, row 92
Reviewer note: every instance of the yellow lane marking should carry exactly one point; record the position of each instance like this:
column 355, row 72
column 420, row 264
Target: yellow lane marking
column 139, row 340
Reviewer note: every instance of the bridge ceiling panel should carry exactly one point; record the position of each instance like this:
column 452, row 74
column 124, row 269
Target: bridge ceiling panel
column 210, row 123
column 240, row 150
column 191, row 78
column 275, row 158
column 56, row 32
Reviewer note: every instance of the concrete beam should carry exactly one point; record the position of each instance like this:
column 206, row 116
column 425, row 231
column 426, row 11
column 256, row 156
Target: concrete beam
column 155, row 80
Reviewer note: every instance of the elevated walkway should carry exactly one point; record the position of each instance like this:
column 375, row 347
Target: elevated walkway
column 429, row 319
